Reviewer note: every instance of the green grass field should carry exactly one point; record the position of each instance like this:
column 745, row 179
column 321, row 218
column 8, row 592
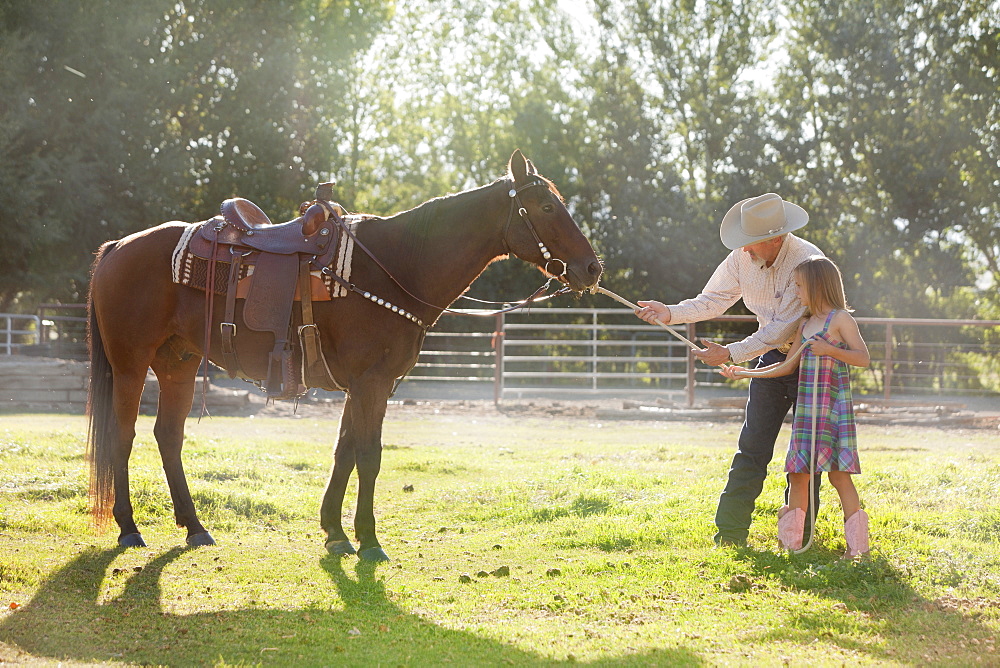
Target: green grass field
column 524, row 541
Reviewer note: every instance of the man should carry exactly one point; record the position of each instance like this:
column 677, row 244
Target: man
column 760, row 270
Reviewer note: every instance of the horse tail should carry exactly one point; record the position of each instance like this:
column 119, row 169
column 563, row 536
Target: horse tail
column 103, row 427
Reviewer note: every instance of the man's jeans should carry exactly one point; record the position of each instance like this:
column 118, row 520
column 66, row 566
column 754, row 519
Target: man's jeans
column 770, row 399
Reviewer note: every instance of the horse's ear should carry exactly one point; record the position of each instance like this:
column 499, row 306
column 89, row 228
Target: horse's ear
column 518, row 166
column 531, row 167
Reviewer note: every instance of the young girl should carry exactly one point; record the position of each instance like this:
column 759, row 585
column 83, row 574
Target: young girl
column 832, row 342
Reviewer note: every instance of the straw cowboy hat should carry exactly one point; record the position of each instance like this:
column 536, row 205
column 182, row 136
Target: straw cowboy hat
column 759, row 219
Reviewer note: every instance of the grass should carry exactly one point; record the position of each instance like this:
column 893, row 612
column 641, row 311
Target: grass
column 524, row 541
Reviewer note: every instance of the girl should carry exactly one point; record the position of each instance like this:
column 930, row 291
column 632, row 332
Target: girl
column 832, row 342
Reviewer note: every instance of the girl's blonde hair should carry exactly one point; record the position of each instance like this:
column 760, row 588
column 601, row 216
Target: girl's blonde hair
column 821, row 277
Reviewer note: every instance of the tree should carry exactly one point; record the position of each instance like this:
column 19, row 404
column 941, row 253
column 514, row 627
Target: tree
column 678, row 140
column 125, row 115
column 877, row 117
column 69, row 171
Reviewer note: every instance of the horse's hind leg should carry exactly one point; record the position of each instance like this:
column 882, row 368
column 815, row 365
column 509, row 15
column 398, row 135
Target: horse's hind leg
column 126, row 395
column 176, row 377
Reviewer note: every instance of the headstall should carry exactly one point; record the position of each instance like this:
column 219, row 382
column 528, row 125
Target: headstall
column 515, row 202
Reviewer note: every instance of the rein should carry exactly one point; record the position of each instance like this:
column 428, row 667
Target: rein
column 538, row 296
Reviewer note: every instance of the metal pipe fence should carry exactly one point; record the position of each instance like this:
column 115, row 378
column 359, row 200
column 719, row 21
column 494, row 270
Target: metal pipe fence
column 25, row 333
column 583, row 351
column 608, row 352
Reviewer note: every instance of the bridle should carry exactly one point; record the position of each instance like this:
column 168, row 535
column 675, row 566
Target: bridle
column 538, row 296
column 515, row 203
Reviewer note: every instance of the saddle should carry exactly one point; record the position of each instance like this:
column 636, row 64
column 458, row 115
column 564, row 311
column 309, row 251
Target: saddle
column 270, row 267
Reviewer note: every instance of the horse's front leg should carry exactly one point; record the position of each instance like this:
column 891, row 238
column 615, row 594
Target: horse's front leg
column 368, row 455
column 331, row 510
column 360, row 445
column 369, row 461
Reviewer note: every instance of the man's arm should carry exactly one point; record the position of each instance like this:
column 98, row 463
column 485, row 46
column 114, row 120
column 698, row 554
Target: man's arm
column 720, row 293
column 774, row 334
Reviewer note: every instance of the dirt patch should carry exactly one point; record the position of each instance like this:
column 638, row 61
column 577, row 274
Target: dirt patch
column 332, row 408
column 729, row 412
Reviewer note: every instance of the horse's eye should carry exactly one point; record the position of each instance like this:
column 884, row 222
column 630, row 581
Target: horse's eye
column 548, row 208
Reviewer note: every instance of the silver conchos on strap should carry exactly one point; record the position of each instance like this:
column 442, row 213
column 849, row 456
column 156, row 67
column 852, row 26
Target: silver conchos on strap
column 392, row 307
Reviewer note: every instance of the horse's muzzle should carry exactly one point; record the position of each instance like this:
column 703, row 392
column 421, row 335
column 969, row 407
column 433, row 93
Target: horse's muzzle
column 582, row 278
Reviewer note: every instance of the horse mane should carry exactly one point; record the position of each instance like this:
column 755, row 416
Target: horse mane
column 420, row 220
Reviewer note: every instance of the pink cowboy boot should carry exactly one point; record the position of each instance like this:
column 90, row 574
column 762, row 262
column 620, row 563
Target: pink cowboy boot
column 856, row 531
column 791, row 523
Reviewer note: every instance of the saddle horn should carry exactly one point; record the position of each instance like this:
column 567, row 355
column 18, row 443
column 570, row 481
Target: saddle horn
column 325, row 190
column 316, row 212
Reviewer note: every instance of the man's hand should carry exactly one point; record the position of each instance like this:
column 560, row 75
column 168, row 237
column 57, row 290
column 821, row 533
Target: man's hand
column 712, row 354
column 651, row 311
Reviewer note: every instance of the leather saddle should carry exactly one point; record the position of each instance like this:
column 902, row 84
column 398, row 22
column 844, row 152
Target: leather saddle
column 279, row 259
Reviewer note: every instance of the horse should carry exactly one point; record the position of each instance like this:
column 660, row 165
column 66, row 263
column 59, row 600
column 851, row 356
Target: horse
column 419, row 260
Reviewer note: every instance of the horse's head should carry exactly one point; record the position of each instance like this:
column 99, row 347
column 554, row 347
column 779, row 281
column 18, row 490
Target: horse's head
column 540, row 230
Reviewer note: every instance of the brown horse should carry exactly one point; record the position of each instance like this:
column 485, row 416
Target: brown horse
column 429, row 255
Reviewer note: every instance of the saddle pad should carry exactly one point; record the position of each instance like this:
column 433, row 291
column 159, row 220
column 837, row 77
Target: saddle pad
column 192, row 271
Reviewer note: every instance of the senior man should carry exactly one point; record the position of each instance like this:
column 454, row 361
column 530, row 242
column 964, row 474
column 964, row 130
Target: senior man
column 760, row 270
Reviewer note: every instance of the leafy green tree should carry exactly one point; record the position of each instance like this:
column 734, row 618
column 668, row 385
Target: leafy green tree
column 652, row 116
column 69, row 173
column 882, row 133
column 444, row 97
column 123, row 115
column 677, row 134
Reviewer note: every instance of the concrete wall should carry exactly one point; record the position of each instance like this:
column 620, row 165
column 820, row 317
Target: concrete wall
column 43, row 384
column 30, row 384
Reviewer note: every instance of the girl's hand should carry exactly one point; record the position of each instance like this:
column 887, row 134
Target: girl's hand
column 819, row 346
column 731, row 371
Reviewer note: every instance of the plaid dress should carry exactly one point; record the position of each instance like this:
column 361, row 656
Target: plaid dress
column 836, row 432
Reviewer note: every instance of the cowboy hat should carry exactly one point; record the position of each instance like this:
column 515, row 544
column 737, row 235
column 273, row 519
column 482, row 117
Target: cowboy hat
column 760, row 218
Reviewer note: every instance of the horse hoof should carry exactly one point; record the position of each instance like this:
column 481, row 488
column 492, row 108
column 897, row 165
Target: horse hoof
column 200, row 539
column 341, row 547
column 373, row 554
column 131, row 540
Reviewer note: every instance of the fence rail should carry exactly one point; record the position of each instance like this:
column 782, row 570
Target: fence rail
column 607, row 351
column 25, row 333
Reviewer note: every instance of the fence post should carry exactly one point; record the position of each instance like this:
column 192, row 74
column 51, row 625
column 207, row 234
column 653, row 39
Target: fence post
column 690, row 365
column 593, row 351
column 887, row 375
column 498, row 335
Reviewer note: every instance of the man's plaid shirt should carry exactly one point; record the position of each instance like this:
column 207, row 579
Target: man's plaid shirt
column 769, row 293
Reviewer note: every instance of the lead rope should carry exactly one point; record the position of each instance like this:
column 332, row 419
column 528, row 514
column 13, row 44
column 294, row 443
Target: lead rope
column 634, row 307
column 812, row 465
column 751, row 373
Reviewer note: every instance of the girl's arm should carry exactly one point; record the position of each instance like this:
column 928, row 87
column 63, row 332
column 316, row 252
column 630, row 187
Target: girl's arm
column 771, row 370
column 844, row 328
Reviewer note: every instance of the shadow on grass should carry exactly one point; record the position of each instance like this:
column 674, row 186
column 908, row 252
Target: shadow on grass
column 65, row 620
column 871, row 593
